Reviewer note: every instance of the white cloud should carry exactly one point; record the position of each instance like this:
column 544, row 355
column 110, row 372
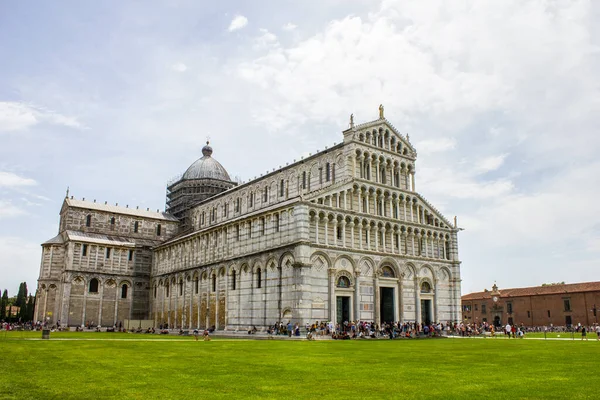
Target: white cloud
column 435, row 145
column 238, row 22
column 265, row 40
column 289, row 27
column 490, row 163
column 16, row 116
column 179, row 67
column 8, row 179
column 8, row 210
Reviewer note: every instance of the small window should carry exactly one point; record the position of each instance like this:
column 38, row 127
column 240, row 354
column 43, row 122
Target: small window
column 237, row 232
column 339, row 232
column 567, row 304
column 262, row 225
column 196, row 285
column 226, row 210
column 528, row 314
column 276, row 222
column 258, row 279
column 167, row 291
column 130, row 257
column 343, row 282
column 327, row 172
column 509, row 308
column 304, row 180
column 249, row 229
column 548, row 313
column 483, row 309
column 93, row 288
column 124, row 291
column 88, row 221
column 84, row 249
column 320, row 175
column 214, row 283
column 266, row 194
column 155, row 291
column 158, row 230
column 112, row 223
column 180, row 288
column 107, row 252
column 136, row 227
column 281, row 188
column 251, row 200
column 233, row 280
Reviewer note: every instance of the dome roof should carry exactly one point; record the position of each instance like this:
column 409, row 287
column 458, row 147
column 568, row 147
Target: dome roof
column 206, row 167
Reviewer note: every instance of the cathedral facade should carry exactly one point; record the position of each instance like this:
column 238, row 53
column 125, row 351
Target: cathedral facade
column 341, row 235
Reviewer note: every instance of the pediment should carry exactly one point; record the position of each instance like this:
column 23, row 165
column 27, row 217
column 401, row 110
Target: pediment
column 381, row 133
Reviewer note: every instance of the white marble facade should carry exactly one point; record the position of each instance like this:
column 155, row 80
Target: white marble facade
column 340, row 235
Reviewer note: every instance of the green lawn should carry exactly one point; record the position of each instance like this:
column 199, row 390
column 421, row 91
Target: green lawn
column 183, row 368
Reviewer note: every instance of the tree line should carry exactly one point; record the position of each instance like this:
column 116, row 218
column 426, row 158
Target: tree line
column 24, row 302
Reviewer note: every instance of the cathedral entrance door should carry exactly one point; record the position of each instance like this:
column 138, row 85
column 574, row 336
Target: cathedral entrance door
column 343, row 309
column 386, row 304
column 426, row 312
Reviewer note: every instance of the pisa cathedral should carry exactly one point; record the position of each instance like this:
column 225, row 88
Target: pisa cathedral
column 340, row 235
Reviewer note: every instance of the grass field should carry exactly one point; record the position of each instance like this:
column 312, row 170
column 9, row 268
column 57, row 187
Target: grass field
column 229, row 368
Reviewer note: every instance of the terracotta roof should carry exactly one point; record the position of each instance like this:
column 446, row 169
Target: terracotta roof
column 536, row 290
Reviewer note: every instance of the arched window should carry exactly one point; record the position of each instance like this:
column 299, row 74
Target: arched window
column 214, row 283
column 387, row 272
column 124, row 291
column 155, row 290
column 158, row 230
column 88, row 220
column 258, row 278
column 343, row 282
column 167, row 290
column 136, row 227
column 276, row 222
column 93, row 288
column 233, row 280
column 180, row 288
column 196, row 285
column 327, row 172
column 425, row 287
column 112, row 223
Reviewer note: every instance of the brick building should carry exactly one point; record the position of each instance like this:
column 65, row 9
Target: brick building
column 557, row 304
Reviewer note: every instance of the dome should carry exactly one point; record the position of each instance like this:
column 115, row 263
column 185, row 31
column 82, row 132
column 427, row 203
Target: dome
column 206, row 167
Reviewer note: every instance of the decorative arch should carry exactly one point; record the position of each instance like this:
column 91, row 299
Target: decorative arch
column 320, row 261
column 345, row 262
column 286, row 260
column 344, row 274
column 426, row 271
column 425, row 286
column 367, row 266
column 409, row 271
column 444, row 274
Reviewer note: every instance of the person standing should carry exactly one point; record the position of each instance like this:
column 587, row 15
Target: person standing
column 507, row 330
column 583, row 333
column 597, row 332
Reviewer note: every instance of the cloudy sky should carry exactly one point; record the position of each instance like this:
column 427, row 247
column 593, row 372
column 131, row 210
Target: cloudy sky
column 501, row 99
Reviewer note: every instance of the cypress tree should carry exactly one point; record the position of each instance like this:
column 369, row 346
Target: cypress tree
column 22, row 295
column 3, row 304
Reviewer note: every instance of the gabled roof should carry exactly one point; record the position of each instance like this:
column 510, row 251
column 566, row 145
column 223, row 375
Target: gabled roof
column 58, row 239
column 536, row 291
column 99, row 239
column 88, row 205
column 388, row 125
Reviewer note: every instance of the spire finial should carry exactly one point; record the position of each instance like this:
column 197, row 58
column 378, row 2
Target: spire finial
column 67, row 196
column 351, row 120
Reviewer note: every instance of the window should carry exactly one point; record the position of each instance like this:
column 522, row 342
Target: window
column 304, row 180
column 343, row 282
column 214, row 283
column 333, row 172
column 251, row 200
column 158, row 230
column 84, row 250
column 276, row 216
column 196, row 285
column 124, row 291
column 249, row 229
column 130, row 257
column 202, row 218
column 237, row 205
column 226, row 210
column 528, row 314
column 475, row 307
column 112, row 223
column 281, row 188
column 93, row 288
column 466, row 308
column 88, row 221
column 136, row 227
column 233, row 280
column 262, row 225
column 180, row 288
column 237, row 232
column 483, row 309
column 155, row 290
column 167, row 291
column 320, row 175
column 107, row 252
column 327, row 172
column 258, row 279
column 567, row 304
column 266, row 194
column 509, row 308
column 548, row 313
column 339, row 232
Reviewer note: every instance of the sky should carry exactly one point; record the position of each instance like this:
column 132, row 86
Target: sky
column 113, row 99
